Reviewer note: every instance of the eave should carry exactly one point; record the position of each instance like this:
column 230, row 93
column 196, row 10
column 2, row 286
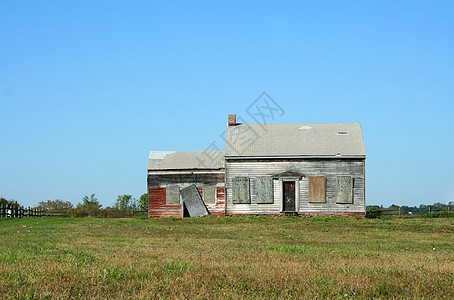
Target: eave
column 339, row 156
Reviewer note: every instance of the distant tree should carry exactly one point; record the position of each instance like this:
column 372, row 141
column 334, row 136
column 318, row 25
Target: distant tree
column 89, row 203
column 126, row 203
column 394, row 206
column 3, row 201
column 56, row 204
column 439, row 205
column 89, row 206
column 143, row 202
column 373, row 207
column 122, row 202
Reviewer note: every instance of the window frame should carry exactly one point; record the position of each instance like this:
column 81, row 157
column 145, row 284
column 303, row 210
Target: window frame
column 268, row 197
column 170, row 193
column 235, row 192
column 349, row 198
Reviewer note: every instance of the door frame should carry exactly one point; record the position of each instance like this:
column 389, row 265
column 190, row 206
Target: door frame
column 281, row 193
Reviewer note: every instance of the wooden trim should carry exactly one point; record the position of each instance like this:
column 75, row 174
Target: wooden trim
column 296, row 194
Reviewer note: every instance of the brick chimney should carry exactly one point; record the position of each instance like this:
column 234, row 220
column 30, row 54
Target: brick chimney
column 232, row 120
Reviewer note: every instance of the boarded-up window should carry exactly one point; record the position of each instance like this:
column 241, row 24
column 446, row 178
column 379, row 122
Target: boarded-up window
column 317, row 189
column 344, row 189
column 209, row 194
column 240, row 190
column 264, row 189
column 172, row 195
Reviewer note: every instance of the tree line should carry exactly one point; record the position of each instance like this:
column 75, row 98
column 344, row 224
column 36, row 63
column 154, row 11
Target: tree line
column 436, row 209
column 125, row 205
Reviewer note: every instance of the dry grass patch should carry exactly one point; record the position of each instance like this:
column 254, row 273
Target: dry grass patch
column 241, row 257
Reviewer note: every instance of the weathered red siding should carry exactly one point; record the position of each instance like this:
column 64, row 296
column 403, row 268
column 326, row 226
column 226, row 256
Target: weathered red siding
column 221, row 193
column 157, row 206
column 218, row 209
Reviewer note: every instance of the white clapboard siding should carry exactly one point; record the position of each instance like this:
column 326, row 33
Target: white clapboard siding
column 314, row 167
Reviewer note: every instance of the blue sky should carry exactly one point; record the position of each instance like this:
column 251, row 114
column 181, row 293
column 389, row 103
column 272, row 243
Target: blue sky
column 88, row 88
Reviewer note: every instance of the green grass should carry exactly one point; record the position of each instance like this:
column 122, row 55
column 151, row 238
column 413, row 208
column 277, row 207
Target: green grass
column 237, row 257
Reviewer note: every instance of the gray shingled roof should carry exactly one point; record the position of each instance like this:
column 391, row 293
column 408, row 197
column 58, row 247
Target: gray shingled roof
column 297, row 139
column 172, row 160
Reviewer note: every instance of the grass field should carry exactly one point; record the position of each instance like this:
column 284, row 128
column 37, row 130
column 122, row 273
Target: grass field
column 237, row 257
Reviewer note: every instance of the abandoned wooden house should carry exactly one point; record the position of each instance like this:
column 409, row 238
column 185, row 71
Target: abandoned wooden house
column 267, row 169
column 313, row 169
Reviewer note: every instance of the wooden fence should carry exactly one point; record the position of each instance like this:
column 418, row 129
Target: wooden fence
column 8, row 210
column 14, row 211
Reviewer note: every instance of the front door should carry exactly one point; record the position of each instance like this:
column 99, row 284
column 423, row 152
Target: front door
column 289, row 195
